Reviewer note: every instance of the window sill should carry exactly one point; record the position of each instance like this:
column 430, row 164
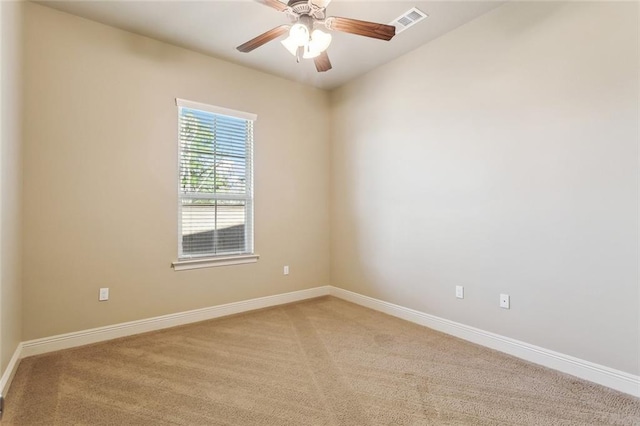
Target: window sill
column 210, row 262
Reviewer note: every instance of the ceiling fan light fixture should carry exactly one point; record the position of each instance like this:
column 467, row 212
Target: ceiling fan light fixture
column 299, row 34
column 309, row 54
column 290, row 45
column 320, row 41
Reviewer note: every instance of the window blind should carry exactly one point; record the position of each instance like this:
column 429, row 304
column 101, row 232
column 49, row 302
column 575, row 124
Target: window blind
column 216, row 181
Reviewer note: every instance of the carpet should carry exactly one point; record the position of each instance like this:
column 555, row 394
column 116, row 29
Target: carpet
column 317, row 362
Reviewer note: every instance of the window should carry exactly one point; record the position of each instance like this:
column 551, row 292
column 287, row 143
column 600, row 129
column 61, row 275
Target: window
column 215, row 186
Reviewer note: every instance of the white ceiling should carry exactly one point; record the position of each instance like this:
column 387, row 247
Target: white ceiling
column 215, row 28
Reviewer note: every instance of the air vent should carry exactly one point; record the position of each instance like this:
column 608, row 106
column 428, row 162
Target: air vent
column 408, row 19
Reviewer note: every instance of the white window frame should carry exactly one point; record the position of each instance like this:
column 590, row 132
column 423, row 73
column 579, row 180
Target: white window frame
column 210, row 260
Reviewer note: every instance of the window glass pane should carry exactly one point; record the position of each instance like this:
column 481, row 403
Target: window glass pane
column 213, row 152
column 213, row 226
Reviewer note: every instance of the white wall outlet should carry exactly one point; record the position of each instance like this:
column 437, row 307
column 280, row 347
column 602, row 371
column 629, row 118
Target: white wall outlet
column 104, row 294
column 459, row 292
column 286, row 270
column 504, row 301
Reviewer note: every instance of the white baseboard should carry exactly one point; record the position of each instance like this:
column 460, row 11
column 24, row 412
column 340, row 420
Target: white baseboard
column 615, row 379
column 600, row 374
column 94, row 335
column 10, row 371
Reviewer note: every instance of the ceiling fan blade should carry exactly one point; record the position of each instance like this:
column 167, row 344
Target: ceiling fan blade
column 277, row 5
column 322, row 62
column 263, row 38
column 363, row 28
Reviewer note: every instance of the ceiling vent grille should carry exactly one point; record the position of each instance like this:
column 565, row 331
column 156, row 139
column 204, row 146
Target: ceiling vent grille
column 408, row 19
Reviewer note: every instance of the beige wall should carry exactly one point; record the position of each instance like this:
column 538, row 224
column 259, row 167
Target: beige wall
column 100, row 185
column 502, row 157
column 10, row 179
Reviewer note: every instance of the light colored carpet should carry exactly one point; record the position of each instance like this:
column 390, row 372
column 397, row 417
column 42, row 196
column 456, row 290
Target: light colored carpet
column 318, row 362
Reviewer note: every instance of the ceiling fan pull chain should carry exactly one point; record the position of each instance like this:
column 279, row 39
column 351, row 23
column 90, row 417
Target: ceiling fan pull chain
column 299, row 53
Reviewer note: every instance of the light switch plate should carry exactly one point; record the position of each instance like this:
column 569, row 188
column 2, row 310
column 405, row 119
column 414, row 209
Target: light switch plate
column 104, row 294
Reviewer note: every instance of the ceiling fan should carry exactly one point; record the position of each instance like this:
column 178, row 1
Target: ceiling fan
column 306, row 39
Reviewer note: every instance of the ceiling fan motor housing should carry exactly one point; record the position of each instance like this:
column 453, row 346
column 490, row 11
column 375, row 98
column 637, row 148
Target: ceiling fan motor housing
column 299, row 6
column 302, row 8
column 307, row 21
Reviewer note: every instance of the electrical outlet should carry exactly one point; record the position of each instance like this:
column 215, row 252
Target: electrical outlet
column 104, row 294
column 504, row 301
column 459, row 292
column 286, row 270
